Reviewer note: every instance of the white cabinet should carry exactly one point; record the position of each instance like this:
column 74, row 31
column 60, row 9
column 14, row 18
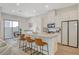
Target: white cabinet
column 69, row 34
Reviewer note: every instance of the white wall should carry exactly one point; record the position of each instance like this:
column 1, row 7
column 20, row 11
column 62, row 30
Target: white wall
column 36, row 24
column 1, row 30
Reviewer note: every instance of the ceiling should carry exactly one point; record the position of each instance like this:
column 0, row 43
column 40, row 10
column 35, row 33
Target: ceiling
column 31, row 9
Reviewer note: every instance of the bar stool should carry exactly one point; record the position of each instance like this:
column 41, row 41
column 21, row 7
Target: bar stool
column 22, row 39
column 41, row 44
column 30, row 41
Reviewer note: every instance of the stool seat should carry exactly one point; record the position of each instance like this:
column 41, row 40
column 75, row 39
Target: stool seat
column 22, row 39
column 30, row 41
column 40, row 43
column 45, row 43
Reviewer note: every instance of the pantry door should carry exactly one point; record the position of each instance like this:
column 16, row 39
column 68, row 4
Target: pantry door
column 73, row 33
column 64, row 34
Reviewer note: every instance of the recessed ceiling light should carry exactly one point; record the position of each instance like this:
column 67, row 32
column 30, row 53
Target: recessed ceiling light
column 46, row 6
column 13, row 10
column 34, row 11
column 17, row 4
column 20, row 10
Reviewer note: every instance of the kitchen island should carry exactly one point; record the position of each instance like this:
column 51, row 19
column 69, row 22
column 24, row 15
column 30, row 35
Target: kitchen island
column 51, row 39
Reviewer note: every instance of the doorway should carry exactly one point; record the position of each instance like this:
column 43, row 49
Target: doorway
column 10, row 27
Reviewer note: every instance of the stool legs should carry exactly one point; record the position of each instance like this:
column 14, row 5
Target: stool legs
column 31, row 48
column 48, row 49
column 40, row 47
column 23, row 46
column 31, row 45
column 42, row 50
column 19, row 43
column 27, row 46
column 37, row 48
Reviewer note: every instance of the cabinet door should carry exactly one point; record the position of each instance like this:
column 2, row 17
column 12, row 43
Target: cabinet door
column 65, row 33
column 73, row 33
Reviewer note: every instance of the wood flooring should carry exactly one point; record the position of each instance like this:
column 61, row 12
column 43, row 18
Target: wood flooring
column 66, row 50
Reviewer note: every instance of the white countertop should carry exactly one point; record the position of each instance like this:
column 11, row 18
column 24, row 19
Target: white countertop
column 52, row 35
column 47, row 35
